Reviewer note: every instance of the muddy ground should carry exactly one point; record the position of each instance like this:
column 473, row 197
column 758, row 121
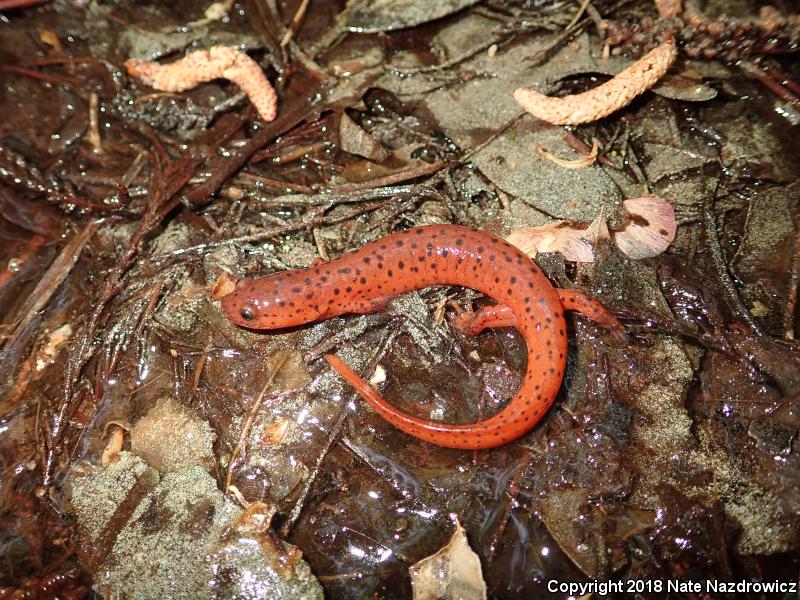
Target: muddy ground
column 151, row 448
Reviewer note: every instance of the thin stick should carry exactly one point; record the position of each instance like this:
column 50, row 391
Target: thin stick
column 298, row 16
column 254, row 410
column 718, row 260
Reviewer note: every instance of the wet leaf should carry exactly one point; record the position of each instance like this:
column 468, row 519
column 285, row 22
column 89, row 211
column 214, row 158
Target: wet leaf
column 453, row 572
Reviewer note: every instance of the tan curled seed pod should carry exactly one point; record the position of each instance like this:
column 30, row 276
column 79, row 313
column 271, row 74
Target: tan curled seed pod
column 604, row 99
column 219, row 62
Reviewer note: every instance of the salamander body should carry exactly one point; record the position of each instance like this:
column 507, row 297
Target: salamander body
column 366, row 279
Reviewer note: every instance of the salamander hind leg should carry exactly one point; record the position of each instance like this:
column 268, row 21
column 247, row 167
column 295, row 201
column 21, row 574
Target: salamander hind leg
column 473, row 322
column 587, row 305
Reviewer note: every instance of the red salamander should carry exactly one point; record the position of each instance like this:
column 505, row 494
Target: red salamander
column 366, row 279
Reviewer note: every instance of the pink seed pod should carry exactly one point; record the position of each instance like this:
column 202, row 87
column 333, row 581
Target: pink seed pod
column 219, row 62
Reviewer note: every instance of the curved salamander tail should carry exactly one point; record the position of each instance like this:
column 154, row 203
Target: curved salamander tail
column 486, row 434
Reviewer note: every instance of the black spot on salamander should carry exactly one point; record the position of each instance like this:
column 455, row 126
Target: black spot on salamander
column 414, row 245
column 390, row 273
column 399, row 243
column 366, row 260
column 296, row 290
column 281, row 302
column 348, row 289
column 497, row 280
column 421, row 259
column 383, row 246
column 363, row 280
column 509, row 291
column 324, row 278
column 480, row 248
column 459, row 242
column 401, row 265
column 445, row 253
column 344, row 270
column 419, row 231
column 309, row 295
column 336, row 291
column 513, row 279
column 307, row 280
column 492, row 257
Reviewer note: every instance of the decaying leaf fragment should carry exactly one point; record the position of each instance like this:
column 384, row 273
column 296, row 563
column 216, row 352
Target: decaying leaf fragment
column 453, row 572
column 575, row 241
column 649, row 229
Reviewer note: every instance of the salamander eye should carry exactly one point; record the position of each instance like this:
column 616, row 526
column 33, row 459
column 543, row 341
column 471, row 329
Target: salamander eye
column 246, row 314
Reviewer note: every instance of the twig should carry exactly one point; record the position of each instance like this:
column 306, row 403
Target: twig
column 94, row 124
column 333, row 437
column 794, row 283
column 254, row 410
column 298, row 16
column 718, row 260
column 52, row 278
column 578, row 14
column 390, row 179
column 202, row 194
column 773, row 86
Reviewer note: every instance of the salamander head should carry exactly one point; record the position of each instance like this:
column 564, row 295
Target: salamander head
column 273, row 302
